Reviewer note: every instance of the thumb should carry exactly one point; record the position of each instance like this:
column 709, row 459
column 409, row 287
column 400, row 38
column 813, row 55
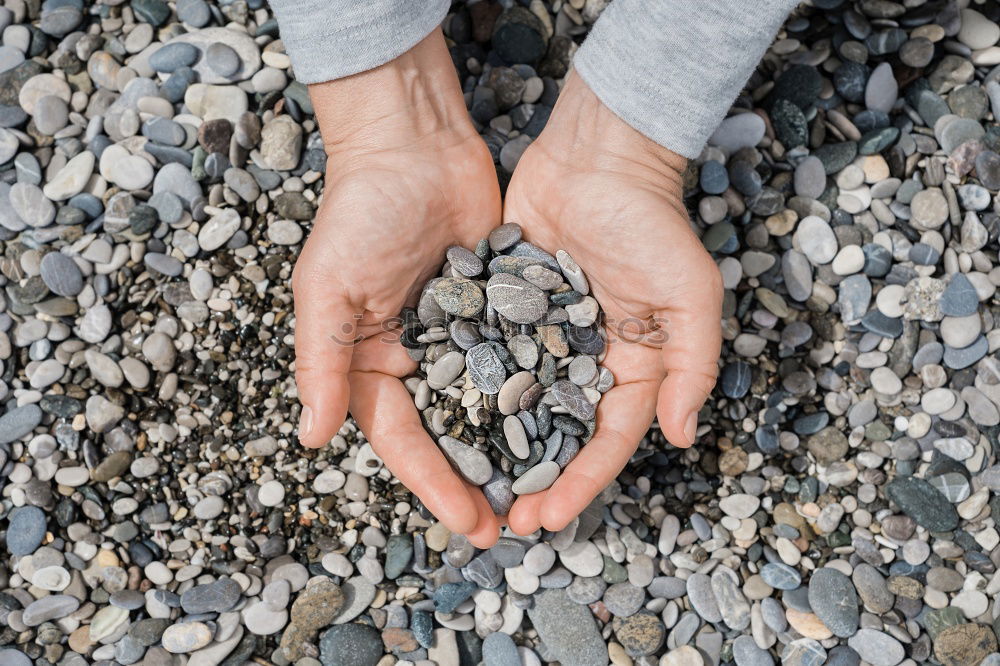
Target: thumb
column 690, row 357
column 325, row 331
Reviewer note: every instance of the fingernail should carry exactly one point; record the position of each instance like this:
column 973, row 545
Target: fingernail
column 691, row 427
column 305, row 421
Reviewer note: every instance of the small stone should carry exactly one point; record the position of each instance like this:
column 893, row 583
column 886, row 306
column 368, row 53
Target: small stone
column 514, row 298
column 569, row 631
column 960, row 298
column 536, row 479
column 743, row 130
column 222, row 59
column 61, row 274
column 571, row 397
column 281, row 143
column 473, row 465
column 834, row 600
column 350, row 645
column 219, row 229
column 923, row 503
column 460, row 297
column 26, row 530
column 640, row 634
column 186, row 637
column 977, row 31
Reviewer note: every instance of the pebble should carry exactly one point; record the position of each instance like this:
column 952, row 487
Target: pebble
column 26, row 530
column 834, row 600
column 537, row 479
column 473, row 465
column 186, row 637
column 61, row 274
column 350, row 645
column 567, row 629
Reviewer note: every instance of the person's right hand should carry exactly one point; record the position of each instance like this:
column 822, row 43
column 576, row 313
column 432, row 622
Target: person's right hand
column 597, row 188
column 407, row 177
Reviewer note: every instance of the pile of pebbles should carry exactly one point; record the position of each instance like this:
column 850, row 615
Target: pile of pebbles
column 159, row 168
column 509, row 341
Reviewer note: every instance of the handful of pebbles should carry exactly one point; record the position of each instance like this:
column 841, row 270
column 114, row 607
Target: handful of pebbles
column 509, row 344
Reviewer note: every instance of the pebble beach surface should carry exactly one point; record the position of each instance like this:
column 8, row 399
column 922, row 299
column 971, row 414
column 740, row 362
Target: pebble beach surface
column 159, row 168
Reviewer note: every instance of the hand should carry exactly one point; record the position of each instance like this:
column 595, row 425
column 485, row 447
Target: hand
column 595, row 187
column 407, row 177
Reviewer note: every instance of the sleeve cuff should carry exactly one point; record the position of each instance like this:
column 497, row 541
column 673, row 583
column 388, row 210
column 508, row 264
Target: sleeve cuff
column 671, row 69
column 331, row 39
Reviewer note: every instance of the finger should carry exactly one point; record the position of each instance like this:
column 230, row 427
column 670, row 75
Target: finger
column 623, row 417
column 325, row 326
column 487, row 529
column 523, row 517
column 384, row 410
column 381, row 352
column 690, row 357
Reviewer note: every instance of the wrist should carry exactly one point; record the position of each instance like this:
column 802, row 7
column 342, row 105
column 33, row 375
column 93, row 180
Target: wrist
column 411, row 101
column 587, row 134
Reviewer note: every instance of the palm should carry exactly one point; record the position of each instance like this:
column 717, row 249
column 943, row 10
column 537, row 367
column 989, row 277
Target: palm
column 648, row 270
column 400, row 214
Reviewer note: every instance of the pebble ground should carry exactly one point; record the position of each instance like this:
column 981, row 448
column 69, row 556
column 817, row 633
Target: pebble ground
column 159, row 167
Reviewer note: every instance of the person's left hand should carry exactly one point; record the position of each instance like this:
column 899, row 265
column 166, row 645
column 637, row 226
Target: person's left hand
column 595, row 187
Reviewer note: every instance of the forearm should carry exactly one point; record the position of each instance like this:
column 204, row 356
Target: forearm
column 331, row 39
column 671, row 69
column 413, row 99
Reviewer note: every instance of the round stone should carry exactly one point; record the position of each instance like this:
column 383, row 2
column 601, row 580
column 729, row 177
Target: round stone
column 271, row 493
column 61, row 274
column 222, row 58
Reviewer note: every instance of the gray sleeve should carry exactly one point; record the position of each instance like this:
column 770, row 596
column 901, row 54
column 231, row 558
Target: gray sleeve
column 331, row 39
column 672, row 68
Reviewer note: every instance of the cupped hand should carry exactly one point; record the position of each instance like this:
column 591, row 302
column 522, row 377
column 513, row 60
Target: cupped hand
column 407, row 177
column 595, row 187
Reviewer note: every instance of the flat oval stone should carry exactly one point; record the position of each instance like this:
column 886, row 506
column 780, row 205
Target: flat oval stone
column 516, row 299
column 464, row 261
column 222, row 58
column 573, row 399
column 12, row 657
column 18, row 422
column 536, row 479
column 464, row 333
column 780, row 576
column 186, row 637
column 510, row 393
column 171, row 57
column 26, row 530
column 567, row 629
column 505, row 236
column 446, row 369
column 351, row 644
column 517, row 440
column 215, row 597
column 524, row 350
column 923, row 503
column 52, row 607
column 834, row 601
column 877, row 648
column 583, row 558
column 743, row 130
column 458, row 296
column 485, row 368
column 472, row 464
